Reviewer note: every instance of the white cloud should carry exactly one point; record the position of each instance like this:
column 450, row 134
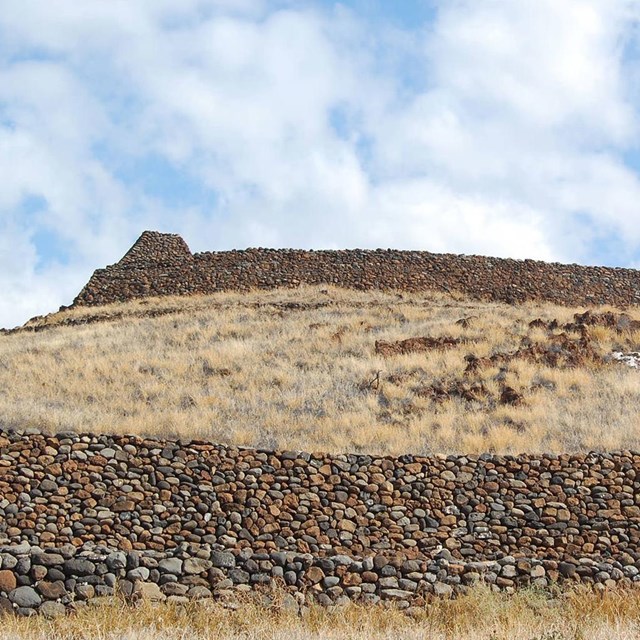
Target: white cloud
column 492, row 130
column 547, row 64
column 448, row 222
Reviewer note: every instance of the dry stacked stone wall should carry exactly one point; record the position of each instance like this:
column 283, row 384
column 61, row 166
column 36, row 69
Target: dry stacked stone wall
column 87, row 516
column 162, row 264
column 83, row 516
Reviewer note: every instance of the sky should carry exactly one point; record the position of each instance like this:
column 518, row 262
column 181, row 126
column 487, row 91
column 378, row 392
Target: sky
column 487, row 127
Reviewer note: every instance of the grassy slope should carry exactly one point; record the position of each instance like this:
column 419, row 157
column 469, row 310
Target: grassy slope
column 294, row 369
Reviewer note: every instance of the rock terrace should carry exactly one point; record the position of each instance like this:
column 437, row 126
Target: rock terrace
column 82, row 513
column 86, row 516
column 161, row 264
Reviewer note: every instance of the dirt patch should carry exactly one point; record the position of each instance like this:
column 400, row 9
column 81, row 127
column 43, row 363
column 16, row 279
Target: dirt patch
column 442, row 391
column 414, row 345
column 475, row 391
column 510, row 396
column 558, row 351
column 619, row 322
column 569, row 345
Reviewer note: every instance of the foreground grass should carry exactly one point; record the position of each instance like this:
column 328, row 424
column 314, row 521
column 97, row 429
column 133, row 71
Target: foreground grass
column 298, row 369
column 481, row 615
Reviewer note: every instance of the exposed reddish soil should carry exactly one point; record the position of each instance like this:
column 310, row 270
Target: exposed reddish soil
column 566, row 345
column 414, row 345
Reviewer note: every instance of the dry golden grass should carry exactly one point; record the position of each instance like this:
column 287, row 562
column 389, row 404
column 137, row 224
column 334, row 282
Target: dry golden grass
column 294, row 369
column 481, row 615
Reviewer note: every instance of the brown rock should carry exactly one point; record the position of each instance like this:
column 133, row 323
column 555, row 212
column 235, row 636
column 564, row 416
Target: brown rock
column 51, row 590
column 347, row 525
column 314, row 575
column 352, row 579
column 125, row 505
column 7, row 581
column 38, row 572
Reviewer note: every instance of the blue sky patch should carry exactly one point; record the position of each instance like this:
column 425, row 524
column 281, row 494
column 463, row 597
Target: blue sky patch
column 404, row 14
column 50, row 247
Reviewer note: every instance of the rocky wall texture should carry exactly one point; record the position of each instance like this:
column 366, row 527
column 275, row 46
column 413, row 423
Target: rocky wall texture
column 181, row 515
column 161, row 264
column 54, row 582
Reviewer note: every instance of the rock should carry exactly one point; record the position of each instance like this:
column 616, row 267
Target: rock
column 48, row 559
column 51, row 590
column 199, row 592
column 174, row 589
column 390, row 582
column 330, row 581
column 240, row 577
column 84, row 591
column 396, row 594
column 509, row 571
column 141, row 573
column 25, row 597
column 116, row 561
column 567, row 569
column 21, row 549
column 171, row 565
column 347, row 525
column 150, row 591
column 125, row 505
column 223, row 559
column 52, row 610
column 408, row 585
column 537, row 572
column 442, row 589
column 38, row 572
column 289, row 604
column 79, row 567
column 322, row 599
column 7, row 581
column 196, row 565
column 125, row 588
column 510, row 396
column 314, row 575
column 5, row 606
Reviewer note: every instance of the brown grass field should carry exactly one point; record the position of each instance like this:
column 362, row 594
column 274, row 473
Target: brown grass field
column 480, row 615
column 298, row 369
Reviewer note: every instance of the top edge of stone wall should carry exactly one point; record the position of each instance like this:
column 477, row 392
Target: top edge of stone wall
column 161, row 264
column 157, row 240
column 162, row 441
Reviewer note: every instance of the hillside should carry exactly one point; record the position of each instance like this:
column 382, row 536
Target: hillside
column 316, row 369
column 288, row 444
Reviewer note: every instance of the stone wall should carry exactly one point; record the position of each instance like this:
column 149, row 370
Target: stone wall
column 82, row 514
column 161, row 264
